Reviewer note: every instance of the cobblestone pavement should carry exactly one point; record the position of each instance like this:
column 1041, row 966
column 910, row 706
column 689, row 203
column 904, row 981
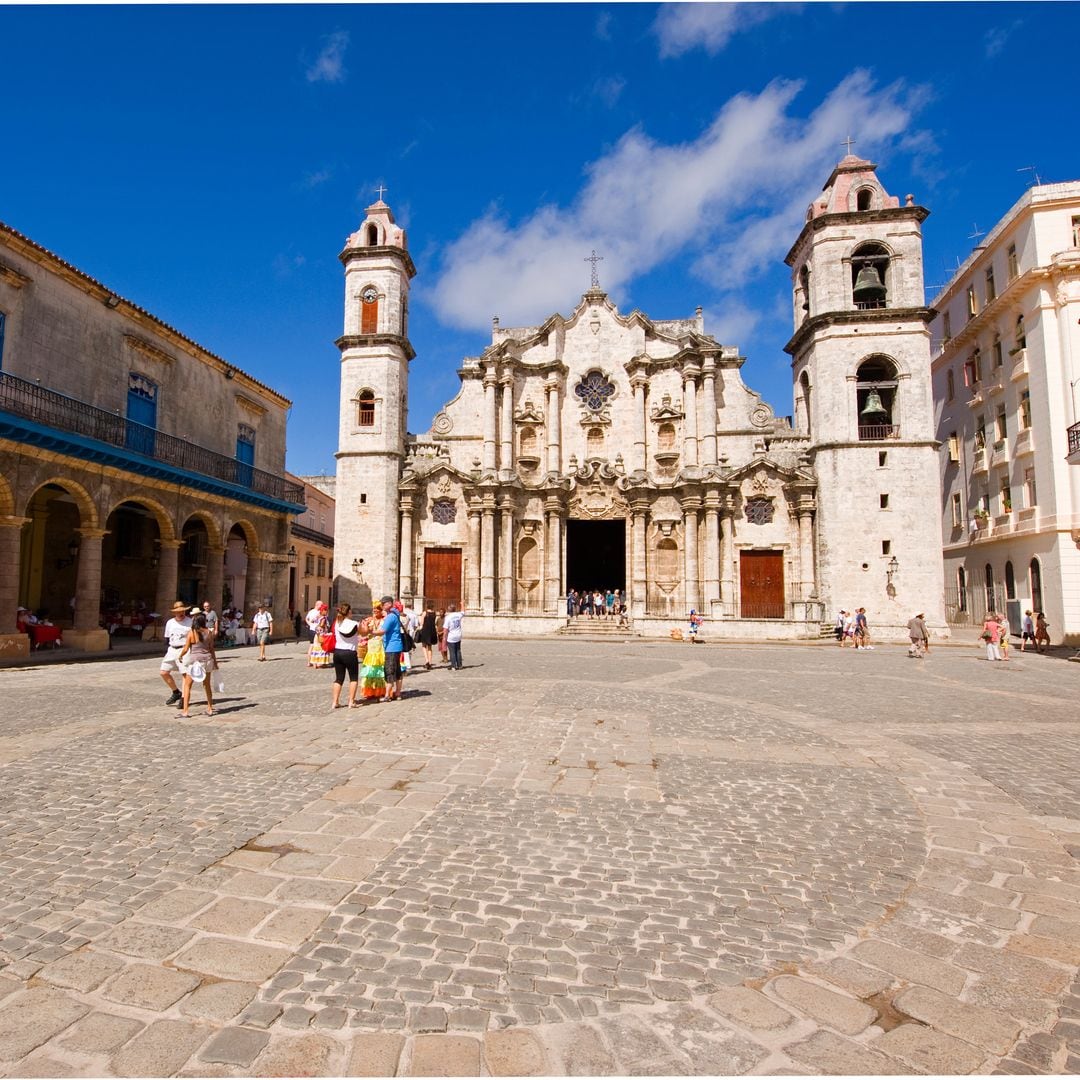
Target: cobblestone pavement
column 570, row 858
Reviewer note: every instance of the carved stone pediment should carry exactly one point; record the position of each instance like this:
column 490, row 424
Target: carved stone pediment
column 528, row 413
column 667, row 410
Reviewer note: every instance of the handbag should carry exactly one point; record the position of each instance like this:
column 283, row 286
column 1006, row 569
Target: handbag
column 197, row 671
column 407, row 643
column 328, row 642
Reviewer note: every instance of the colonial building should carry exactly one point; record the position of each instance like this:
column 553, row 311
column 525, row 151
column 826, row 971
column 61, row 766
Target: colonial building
column 311, row 551
column 135, row 466
column 1006, row 380
column 609, row 450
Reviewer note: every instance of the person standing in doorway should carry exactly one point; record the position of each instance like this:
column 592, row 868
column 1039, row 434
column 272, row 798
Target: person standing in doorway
column 176, row 632
column 453, row 621
column 262, row 625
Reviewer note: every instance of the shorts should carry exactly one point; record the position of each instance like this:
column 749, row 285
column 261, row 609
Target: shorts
column 392, row 667
column 171, row 659
column 262, row 636
column 346, row 663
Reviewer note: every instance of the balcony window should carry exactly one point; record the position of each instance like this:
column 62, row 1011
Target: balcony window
column 1021, row 333
column 980, row 434
column 1006, row 496
column 1025, row 410
column 957, row 510
column 950, row 385
column 946, row 327
column 1031, row 498
column 996, row 352
column 991, row 291
column 1011, row 261
column 1001, row 427
column 972, row 304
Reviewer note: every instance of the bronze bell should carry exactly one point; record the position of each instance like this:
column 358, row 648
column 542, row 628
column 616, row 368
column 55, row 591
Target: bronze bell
column 873, row 406
column 868, row 286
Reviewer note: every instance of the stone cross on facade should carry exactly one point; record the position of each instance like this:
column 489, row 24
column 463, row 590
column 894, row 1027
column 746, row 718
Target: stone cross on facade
column 594, row 259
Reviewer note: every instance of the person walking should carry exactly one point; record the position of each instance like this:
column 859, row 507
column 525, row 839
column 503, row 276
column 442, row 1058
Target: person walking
column 428, row 635
column 318, row 654
column 262, row 626
column 373, row 672
column 571, row 603
column 862, row 630
column 454, row 619
column 201, row 662
column 1003, row 636
column 918, row 634
column 176, row 632
column 1027, row 630
column 440, row 629
column 1042, row 632
column 212, row 620
column 695, row 625
column 991, row 635
column 346, row 656
column 393, row 646
column 314, row 617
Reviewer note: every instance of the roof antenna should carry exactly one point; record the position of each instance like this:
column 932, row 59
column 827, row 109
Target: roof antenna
column 1037, row 179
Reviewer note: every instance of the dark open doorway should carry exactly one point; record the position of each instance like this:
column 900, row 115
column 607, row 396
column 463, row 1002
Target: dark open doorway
column 595, row 554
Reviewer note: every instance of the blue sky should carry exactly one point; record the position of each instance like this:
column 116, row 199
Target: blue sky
column 208, row 162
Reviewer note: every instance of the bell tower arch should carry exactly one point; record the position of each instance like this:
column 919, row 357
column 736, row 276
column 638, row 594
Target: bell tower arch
column 861, row 370
column 373, row 413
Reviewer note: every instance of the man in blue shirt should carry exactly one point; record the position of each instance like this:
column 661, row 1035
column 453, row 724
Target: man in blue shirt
column 393, row 646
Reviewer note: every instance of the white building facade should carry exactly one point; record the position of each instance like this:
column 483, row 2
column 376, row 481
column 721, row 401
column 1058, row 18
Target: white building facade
column 607, row 451
column 1006, row 371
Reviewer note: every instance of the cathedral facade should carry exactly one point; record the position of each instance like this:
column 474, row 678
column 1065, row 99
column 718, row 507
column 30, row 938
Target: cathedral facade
column 603, row 450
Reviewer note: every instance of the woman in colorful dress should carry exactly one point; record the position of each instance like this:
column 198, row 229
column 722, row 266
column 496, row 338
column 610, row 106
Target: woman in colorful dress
column 373, row 674
column 317, row 656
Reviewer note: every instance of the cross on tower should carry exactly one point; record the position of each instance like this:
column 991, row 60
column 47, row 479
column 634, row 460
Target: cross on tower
column 381, row 189
column 594, row 259
column 848, row 142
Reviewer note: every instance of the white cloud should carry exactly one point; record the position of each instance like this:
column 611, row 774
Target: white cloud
column 603, row 25
column 608, row 89
column 329, row 65
column 995, row 38
column 317, row 178
column 682, row 27
column 732, row 323
column 732, row 200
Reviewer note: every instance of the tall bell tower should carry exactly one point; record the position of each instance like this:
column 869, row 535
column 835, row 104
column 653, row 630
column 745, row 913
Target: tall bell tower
column 375, row 355
column 861, row 369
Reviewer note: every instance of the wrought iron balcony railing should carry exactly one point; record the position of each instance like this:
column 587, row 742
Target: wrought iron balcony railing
column 1074, row 439
column 43, row 406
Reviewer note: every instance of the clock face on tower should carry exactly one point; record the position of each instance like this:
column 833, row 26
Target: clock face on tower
column 369, row 295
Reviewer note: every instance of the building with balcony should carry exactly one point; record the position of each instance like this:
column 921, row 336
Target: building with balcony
column 135, row 465
column 311, row 541
column 1006, row 371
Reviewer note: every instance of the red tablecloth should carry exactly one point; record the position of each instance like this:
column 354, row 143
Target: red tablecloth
column 45, row 635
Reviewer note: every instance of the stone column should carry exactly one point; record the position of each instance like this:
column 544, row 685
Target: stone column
column 12, row 643
column 553, row 559
column 690, row 438
column 712, row 554
column 553, row 427
column 490, row 421
column 806, row 550
column 165, row 595
column 472, row 578
column 506, row 425
column 487, row 557
column 406, row 585
column 708, row 410
column 215, row 576
column 691, row 573
column 506, row 555
column 88, row 634
column 729, row 588
column 638, row 559
column 639, row 461
column 254, row 585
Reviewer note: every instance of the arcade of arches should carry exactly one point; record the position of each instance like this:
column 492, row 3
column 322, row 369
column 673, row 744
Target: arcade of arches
column 99, row 555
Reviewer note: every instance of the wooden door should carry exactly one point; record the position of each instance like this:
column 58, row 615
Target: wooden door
column 762, row 585
column 442, row 576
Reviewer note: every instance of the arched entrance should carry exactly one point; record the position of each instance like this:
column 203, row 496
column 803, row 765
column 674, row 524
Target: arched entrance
column 49, row 552
column 129, row 567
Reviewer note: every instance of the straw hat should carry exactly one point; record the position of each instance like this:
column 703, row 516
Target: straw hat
column 179, row 608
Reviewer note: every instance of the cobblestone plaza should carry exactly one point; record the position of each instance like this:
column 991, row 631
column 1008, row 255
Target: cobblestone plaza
column 569, row 858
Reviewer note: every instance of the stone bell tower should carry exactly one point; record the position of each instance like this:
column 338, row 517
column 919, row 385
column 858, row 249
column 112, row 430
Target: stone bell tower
column 375, row 355
column 861, row 369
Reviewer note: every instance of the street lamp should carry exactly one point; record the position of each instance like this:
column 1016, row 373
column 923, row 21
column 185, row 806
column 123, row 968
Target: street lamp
column 892, row 569
column 292, row 555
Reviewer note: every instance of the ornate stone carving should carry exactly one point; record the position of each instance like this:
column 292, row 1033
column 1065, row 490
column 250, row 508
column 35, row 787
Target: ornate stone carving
column 759, row 511
column 528, row 413
column 444, row 511
column 761, row 415
column 667, row 410
column 442, row 424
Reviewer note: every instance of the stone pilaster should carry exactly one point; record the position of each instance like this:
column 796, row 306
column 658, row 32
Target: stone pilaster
column 712, row 555
column 690, row 426
column 639, row 462
column 506, row 554
column 88, row 634
column 691, row 570
column 487, row 557
column 406, row 585
column 506, row 424
column 729, row 562
column 638, row 559
column 254, row 585
column 708, row 413
column 12, row 643
column 553, row 427
column 472, row 568
column 491, row 383
column 215, row 576
column 553, row 557
column 807, row 570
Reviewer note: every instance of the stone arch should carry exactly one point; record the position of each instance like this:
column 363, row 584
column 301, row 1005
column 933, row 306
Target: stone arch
column 206, row 519
column 88, row 514
column 251, row 534
column 877, row 397
column 878, row 256
column 7, row 499
column 166, row 525
column 802, row 405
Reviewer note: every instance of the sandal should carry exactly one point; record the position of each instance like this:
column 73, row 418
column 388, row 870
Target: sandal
column 210, row 712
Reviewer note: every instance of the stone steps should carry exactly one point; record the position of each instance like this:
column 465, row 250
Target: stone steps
column 586, row 627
